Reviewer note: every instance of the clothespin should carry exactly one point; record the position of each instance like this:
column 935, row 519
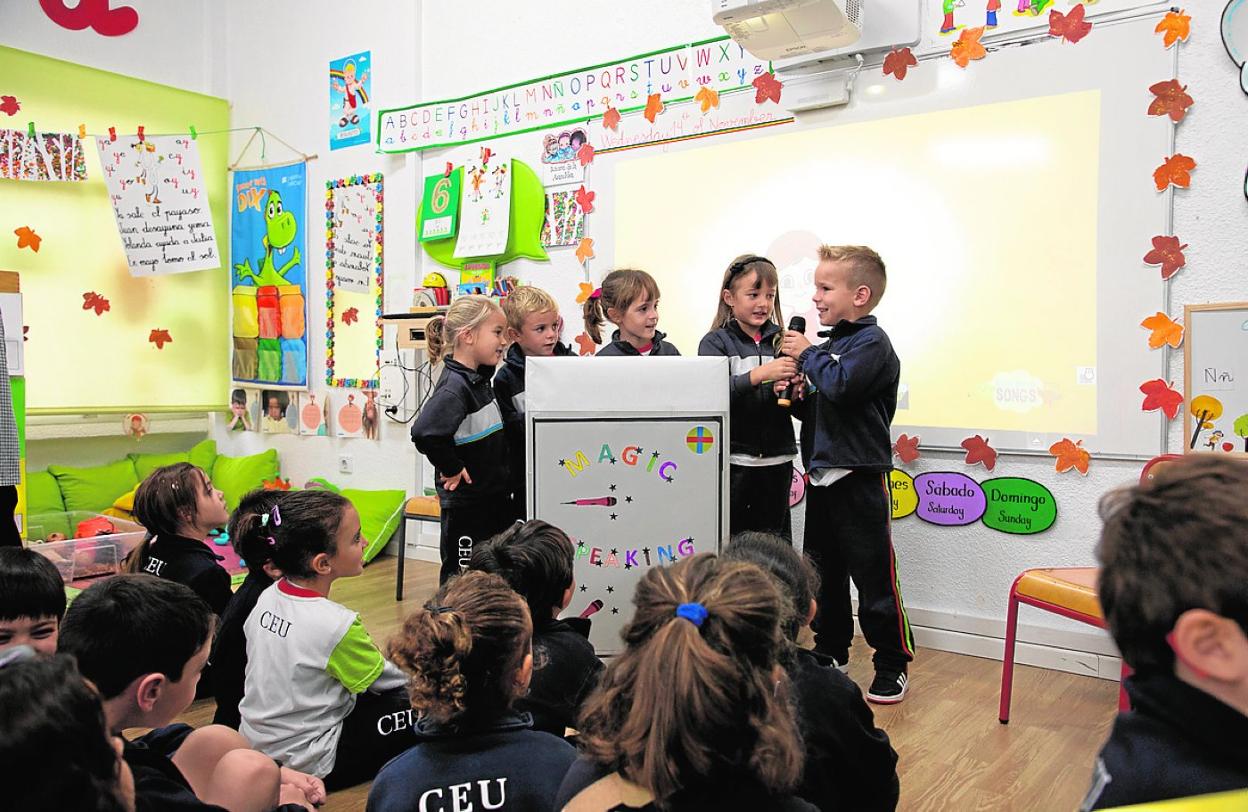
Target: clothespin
column 450, row 167
column 30, row 129
column 141, row 137
column 194, row 134
column 112, row 133
column 82, row 131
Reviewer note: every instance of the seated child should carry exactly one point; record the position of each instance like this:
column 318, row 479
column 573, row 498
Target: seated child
column 143, row 641
column 535, row 558
column 178, row 506
column 55, row 748
column 849, row 761
column 468, row 655
column 1174, row 589
column 318, row 691
column 32, row 600
column 693, row 713
column 249, row 537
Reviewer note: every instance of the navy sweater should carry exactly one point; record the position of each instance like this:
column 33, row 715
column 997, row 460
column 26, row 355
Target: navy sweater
column 760, row 426
column 461, row 427
column 620, row 347
column 229, row 650
column 565, row 670
column 509, row 390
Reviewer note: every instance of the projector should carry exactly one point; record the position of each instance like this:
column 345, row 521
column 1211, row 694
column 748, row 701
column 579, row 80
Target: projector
column 780, row 29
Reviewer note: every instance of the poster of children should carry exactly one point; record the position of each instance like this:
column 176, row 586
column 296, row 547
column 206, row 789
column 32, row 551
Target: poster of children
column 565, row 221
column 278, row 416
column 349, row 115
column 244, row 410
column 560, row 163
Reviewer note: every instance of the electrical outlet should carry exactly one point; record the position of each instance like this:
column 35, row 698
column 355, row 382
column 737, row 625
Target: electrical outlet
column 346, row 464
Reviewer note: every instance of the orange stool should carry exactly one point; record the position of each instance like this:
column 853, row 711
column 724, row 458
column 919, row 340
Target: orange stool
column 421, row 509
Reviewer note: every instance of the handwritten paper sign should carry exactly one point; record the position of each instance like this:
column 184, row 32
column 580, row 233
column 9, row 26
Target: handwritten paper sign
column 47, row 156
column 355, row 228
column 354, row 282
column 157, row 190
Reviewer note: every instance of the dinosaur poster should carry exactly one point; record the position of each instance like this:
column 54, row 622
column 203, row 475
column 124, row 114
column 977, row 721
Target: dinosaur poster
column 269, row 277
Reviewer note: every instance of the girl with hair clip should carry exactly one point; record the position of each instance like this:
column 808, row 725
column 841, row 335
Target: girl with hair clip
column 318, row 697
column 249, row 532
column 693, row 714
column 179, row 506
column 460, row 429
column 630, row 299
column 746, row 331
column 849, row 761
column 468, row 655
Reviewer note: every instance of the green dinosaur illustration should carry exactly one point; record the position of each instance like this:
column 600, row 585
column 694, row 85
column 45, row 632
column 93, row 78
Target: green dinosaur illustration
column 280, row 228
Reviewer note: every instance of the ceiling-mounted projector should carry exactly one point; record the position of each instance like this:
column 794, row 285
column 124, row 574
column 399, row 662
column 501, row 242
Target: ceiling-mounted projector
column 779, row 29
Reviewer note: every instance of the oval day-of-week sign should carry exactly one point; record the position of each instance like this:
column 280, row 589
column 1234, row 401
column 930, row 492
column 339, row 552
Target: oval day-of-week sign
column 1018, row 506
column 949, row 499
column 901, row 489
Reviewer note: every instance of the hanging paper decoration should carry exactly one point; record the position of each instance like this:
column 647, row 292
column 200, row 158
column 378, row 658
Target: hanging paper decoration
column 1071, row 26
column 1171, row 100
column 585, row 345
column 160, row 337
column 27, row 238
column 26, row 155
column 611, row 119
column 1174, row 27
column 585, row 199
column 585, row 154
column 1174, row 170
column 96, row 302
column 898, row 62
column 907, row 448
column 949, row 499
column 1206, row 409
column 586, row 290
column 585, row 251
column 1160, row 395
column 978, row 452
column 1070, row 455
column 9, row 105
column 706, row 99
column 767, row 86
column 1018, row 506
column 967, row 46
column 103, row 18
column 1164, row 331
column 351, row 315
column 654, row 106
column 1168, row 253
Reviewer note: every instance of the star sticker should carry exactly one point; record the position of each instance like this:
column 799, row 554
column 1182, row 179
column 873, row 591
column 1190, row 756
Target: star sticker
column 628, row 566
column 655, row 455
column 597, row 563
column 640, row 451
column 668, row 479
column 628, row 499
column 614, row 610
column 610, row 589
column 580, row 544
column 583, row 587
column 562, row 463
column 612, row 488
column 646, row 550
column 613, row 460
column 614, row 551
column 614, row 516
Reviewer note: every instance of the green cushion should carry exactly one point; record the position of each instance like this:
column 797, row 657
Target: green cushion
column 202, row 455
column 380, row 514
column 238, row 476
column 94, row 489
column 42, row 494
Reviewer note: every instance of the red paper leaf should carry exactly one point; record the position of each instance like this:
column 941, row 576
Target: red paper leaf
column 351, row 315
column 9, row 105
column 585, row 154
column 1165, row 330
column 95, row 301
column 105, row 21
column 585, row 345
column 706, row 98
column 160, row 337
column 1069, row 26
column 585, row 251
column 585, row 199
column 1168, row 253
column 978, row 452
column 1172, row 100
column 767, row 86
column 1175, row 26
column 1176, row 169
column 611, row 118
column 967, row 46
column 907, row 448
column 1160, row 395
column 27, row 238
column 654, row 106
column 1070, row 455
column 898, row 62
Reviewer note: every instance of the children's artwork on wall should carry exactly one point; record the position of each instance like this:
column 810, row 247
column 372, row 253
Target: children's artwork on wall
column 565, row 220
column 440, row 203
column 156, row 186
column 524, row 237
column 46, row 156
column 269, row 277
column 348, row 411
column 354, row 280
column 1216, row 377
column 244, row 412
column 312, row 408
column 279, row 412
column 485, row 207
column 350, row 118
column 561, row 164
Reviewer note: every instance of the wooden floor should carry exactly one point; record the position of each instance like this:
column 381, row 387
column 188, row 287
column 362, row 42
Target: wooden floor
column 954, row 753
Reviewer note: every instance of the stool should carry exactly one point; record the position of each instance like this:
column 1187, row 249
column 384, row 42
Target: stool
column 422, row 509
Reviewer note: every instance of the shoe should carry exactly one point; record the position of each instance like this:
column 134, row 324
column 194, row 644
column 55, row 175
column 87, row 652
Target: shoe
column 888, row 687
column 831, row 661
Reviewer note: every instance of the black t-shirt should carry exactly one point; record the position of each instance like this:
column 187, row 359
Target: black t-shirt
column 716, row 796
column 565, row 670
column 190, row 562
column 229, row 652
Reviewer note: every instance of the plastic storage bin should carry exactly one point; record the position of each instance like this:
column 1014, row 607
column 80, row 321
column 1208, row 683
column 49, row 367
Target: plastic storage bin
column 83, row 560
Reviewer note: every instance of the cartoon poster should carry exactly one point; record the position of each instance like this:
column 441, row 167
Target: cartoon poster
column 47, row 156
column 565, row 220
column 156, row 186
column 349, row 114
column 269, row 279
column 485, row 206
column 348, row 410
column 561, row 165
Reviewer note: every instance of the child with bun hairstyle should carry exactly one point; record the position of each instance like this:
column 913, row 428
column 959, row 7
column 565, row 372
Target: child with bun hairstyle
column 460, row 428
column 468, row 655
column 629, row 299
column 694, row 712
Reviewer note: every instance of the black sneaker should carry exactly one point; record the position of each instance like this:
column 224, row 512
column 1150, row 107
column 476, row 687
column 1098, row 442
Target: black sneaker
column 888, row 687
column 831, row 660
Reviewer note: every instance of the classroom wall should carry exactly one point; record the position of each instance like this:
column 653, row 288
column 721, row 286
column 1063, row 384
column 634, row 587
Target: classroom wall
column 955, row 580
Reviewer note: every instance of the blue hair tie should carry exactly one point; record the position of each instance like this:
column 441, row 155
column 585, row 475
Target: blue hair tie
column 695, row 613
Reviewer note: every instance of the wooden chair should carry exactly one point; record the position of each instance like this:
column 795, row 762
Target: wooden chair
column 421, row 509
column 1066, row 591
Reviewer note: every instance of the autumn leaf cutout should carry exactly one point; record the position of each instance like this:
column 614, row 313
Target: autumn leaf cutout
column 27, row 238
column 1174, row 27
column 767, row 86
column 1070, row 455
column 611, row 119
column 585, row 154
column 586, row 290
column 967, row 46
column 585, row 251
column 1168, row 253
column 654, row 106
column 1174, row 170
column 351, row 315
column 707, row 98
column 1070, row 26
column 907, row 448
column 1164, row 331
column 585, row 345
column 96, row 302
column 978, row 452
column 9, row 105
column 898, row 61
column 1172, row 100
column 160, row 337
column 585, row 199
column 1160, row 395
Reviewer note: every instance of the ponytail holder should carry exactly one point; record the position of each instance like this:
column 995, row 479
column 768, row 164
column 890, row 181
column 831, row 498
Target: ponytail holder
column 695, row 613
column 597, row 294
column 442, row 610
column 277, row 516
column 272, row 541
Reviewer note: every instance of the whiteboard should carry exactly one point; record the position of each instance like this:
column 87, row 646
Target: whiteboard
column 1216, row 377
column 626, row 455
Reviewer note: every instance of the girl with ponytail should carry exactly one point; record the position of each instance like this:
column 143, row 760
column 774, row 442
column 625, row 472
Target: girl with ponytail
column 629, row 299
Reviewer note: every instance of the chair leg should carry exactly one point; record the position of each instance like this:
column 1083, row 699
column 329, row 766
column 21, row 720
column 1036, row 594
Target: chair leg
column 1124, row 701
column 1007, row 662
column 398, row 581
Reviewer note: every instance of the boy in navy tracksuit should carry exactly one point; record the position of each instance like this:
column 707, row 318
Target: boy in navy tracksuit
column 1174, row 589
column 847, row 450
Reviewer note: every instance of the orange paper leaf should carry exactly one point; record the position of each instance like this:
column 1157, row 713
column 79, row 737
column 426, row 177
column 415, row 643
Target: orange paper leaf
column 1164, row 331
column 767, row 86
column 967, row 47
column 611, row 118
column 1175, row 26
column 1160, row 395
column 160, row 337
column 1070, row 455
column 585, row 345
column 9, row 105
column 585, row 251
column 276, row 484
column 707, row 98
column 27, row 238
column 1070, row 26
column 95, row 301
column 898, row 61
column 351, row 315
column 585, row 290
column 585, row 199
column 1168, row 253
column 907, row 448
column 585, row 154
column 1176, row 169
column 654, row 106
column 1172, row 100
column 978, row 452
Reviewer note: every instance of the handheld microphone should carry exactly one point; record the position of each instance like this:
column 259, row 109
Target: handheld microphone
column 798, row 325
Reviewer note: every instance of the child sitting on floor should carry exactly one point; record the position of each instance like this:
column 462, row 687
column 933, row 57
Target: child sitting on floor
column 32, row 600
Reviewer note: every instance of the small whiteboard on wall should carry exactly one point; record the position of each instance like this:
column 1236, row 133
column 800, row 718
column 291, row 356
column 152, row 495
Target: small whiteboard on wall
column 627, row 456
column 1215, row 362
